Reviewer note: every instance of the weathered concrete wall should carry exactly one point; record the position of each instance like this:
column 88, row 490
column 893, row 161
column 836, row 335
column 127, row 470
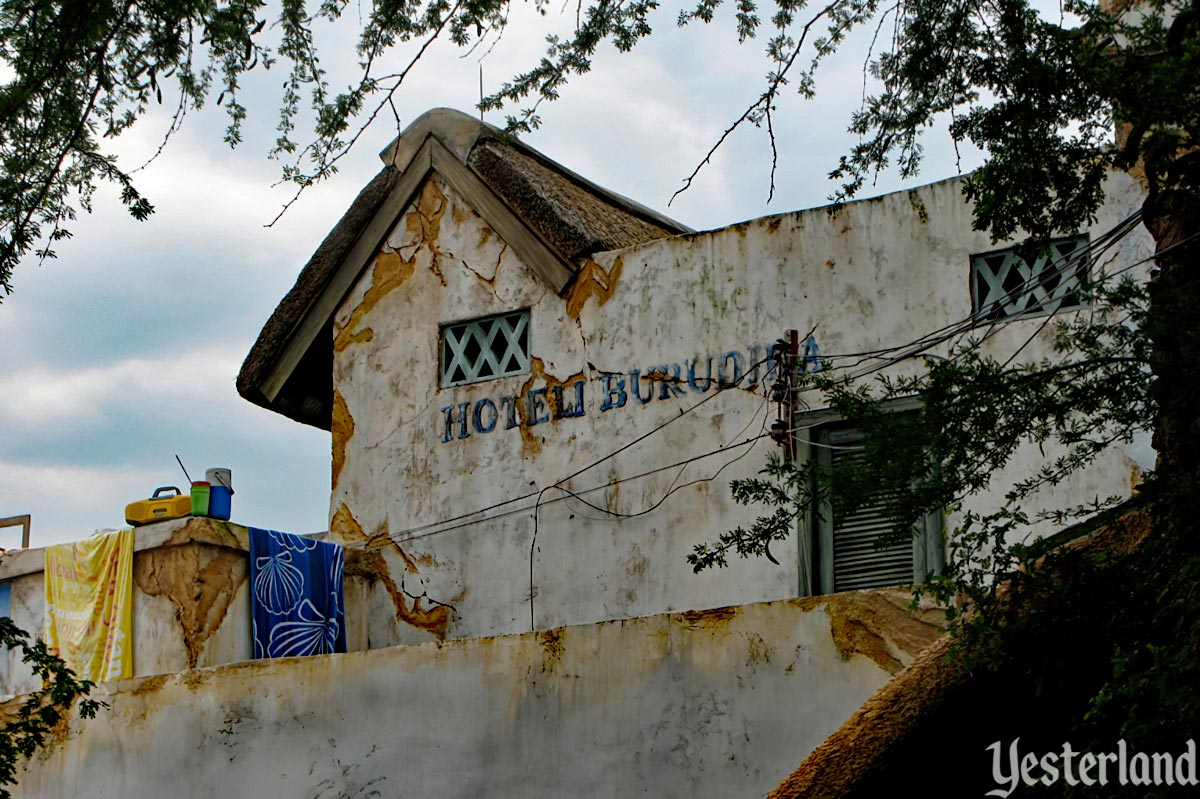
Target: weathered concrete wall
column 191, row 599
column 191, row 605
column 715, row 704
column 874, row 273
column 640, row 336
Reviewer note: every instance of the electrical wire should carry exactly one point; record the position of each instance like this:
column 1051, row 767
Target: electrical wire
column 915, row 348
column 922, row 345
column 655, row 506
column 369, row 544
column 400, row 538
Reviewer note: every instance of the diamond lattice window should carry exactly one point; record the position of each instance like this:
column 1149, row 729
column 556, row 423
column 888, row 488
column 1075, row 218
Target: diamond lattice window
column 481, row 349
column 1006, row 285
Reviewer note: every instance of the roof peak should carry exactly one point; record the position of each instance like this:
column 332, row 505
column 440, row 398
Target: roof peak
column 460, row 133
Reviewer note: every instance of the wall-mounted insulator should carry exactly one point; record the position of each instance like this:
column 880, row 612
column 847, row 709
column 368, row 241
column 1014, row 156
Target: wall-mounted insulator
column 779, row 432
column 779, row 391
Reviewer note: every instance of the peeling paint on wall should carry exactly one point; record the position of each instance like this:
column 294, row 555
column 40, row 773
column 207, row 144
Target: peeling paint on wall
column 424, row 226
column 372, row 566
column 341, row 428
column 880, row 626
column 553, row 644
column 345, row 528
column 712, row 617
column 390, row 272
column 593, row 282
column 200, row 581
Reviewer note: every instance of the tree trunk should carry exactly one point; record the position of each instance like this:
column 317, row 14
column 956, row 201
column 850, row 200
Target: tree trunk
column 1173, row 218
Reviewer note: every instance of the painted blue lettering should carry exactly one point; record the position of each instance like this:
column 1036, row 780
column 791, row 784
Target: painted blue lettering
column 635, row 385
column 812, row 355
column 567, row 410
column 739, row 368
column 450, row 421
column 480, row 425
column 692, row 383
column 670, row 385
column 614, row 395
column 755, row 358
column 509, row 405
column 538, row 412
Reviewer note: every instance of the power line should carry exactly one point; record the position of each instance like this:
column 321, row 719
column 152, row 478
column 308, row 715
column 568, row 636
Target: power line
column 671, row 490
column 403, row 538
column 915, row 347
column 369, row 544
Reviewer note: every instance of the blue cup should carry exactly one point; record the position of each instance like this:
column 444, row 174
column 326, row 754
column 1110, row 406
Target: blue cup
column 220, row 501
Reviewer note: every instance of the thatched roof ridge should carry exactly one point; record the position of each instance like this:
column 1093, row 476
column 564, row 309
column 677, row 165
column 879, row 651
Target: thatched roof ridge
column 573, row 219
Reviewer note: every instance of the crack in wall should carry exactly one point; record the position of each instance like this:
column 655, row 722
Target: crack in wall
column 490, row 282
column 371, row 566
column 423, row 225
column 531, row 443
column 390, row 271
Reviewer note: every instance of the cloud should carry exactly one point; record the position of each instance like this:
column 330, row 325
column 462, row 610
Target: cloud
column 41, row 397
column 82, row 499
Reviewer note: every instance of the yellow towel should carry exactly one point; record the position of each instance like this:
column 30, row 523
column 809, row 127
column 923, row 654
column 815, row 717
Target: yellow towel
column 89, row 604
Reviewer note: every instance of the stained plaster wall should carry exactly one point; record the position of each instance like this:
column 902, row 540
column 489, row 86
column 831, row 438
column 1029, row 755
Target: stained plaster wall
column 408, row 454
column 879, row 273
column 703, row 704
column 190, row 601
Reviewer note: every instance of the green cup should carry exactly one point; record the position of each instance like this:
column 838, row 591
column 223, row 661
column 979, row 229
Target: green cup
column 200, row 495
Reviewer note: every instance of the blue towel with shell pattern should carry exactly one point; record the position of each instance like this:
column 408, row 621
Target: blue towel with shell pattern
column 296, row 603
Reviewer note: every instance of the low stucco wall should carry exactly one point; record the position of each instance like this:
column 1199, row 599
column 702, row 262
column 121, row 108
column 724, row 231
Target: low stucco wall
column 707, row 704
column 191, row 605
column 191, row 599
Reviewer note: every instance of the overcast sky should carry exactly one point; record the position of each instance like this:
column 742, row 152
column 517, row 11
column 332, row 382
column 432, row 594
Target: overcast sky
column 122, row 353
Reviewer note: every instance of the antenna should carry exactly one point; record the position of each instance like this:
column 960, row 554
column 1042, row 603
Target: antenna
column 185, row 474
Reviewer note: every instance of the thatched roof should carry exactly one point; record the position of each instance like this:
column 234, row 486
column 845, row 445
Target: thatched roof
column 921, row 716
column 573, row 218
column 559, row 218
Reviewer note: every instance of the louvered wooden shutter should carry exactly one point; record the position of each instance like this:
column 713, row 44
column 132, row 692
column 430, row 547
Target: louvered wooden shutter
column 849, row 559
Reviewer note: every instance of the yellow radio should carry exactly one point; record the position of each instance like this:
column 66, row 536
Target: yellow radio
column 160, row 507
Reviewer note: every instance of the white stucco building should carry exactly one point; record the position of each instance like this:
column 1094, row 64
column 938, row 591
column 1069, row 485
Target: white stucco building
column 487, row 334
column 537, row 393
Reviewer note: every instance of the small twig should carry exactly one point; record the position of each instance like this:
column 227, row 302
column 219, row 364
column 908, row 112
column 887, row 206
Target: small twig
column 764, row 100
column 326, row 164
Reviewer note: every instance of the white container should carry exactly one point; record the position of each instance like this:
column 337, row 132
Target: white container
column 219, row 476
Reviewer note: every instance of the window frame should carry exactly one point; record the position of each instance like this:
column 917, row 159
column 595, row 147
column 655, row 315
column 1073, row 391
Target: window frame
column 816, row 531
column 451, row 347
column 1078, row 261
